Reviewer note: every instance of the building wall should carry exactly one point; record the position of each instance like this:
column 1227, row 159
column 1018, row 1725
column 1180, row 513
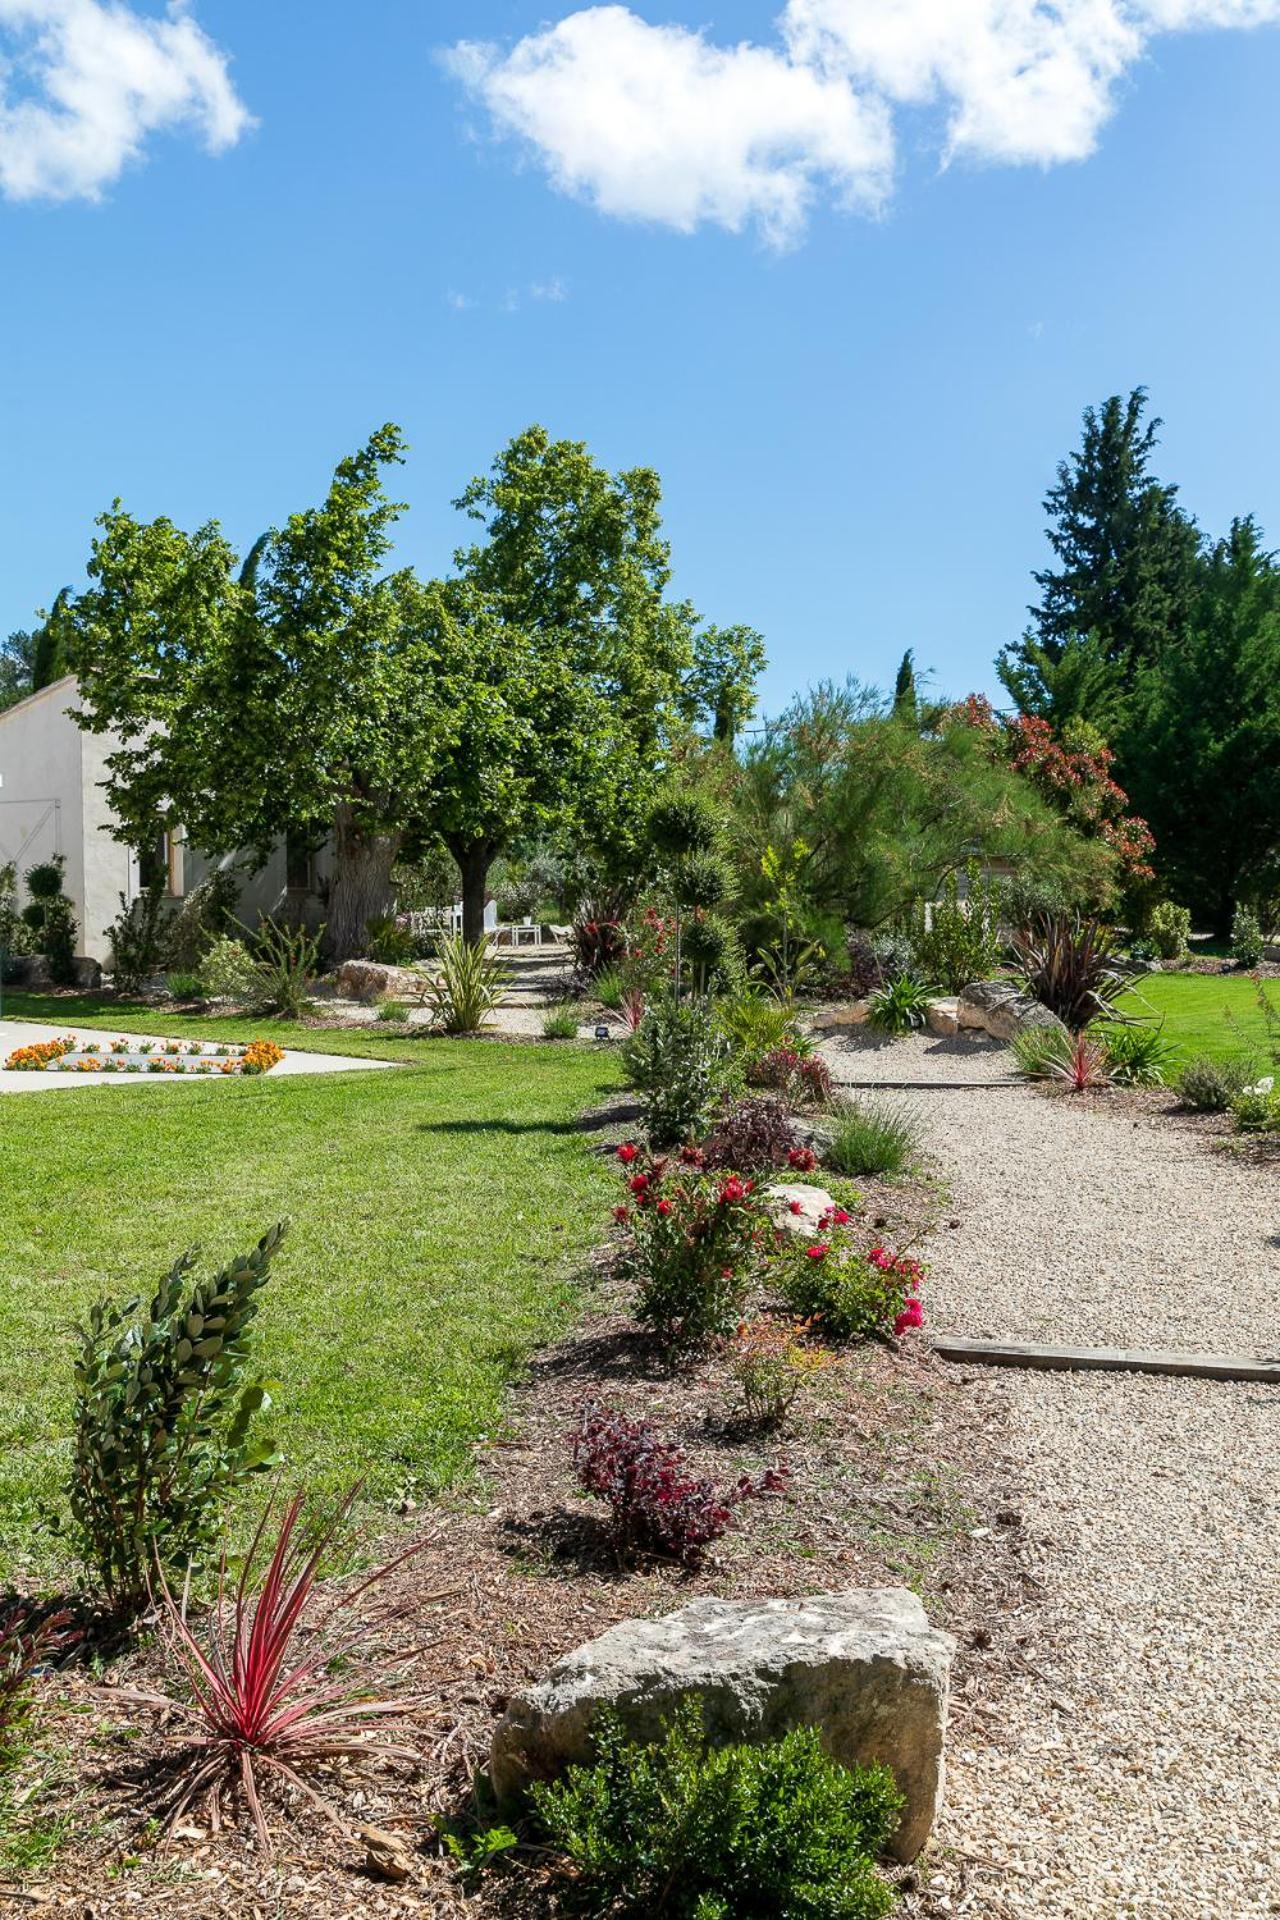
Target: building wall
column 49, row 804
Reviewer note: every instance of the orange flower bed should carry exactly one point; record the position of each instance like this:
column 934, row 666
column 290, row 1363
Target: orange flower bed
column 260, row 1056
column 36, row 1057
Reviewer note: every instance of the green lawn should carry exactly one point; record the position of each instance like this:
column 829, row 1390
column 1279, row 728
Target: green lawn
column 440, row 1214
column 1216, row 1014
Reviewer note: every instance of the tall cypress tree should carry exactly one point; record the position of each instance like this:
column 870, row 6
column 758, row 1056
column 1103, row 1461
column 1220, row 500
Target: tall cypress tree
column 906, row 695
column 1125, row 550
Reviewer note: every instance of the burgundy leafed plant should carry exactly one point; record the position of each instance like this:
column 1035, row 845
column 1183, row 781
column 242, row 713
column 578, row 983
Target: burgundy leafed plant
column 656, row 1503
column 256, row 1699
column 28, row 1639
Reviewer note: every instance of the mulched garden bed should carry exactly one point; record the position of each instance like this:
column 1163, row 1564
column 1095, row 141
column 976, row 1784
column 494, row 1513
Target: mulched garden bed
column 898, row 1476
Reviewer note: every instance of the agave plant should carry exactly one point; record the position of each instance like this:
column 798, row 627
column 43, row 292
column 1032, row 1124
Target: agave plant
column 469, row 984
column 254, row 1701
column 1068, row 963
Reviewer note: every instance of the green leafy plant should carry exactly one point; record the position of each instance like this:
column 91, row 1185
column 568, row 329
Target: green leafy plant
column 1209, row 1085
column 391, row 942
column 184, row 986
column 680, row 1062
column 1138, row 1056
column 137, row 939
column 609, row 988
column 1247, row 940
column 229, row 972
column 683, row 1829
column 1068, row 964
column 474, row 1850
column 1169, row 928
column 287, row 959
column 162, row 1420
column 392, row 1012
column 691, row 1239
column 872, row 1137
column 757, row 1024
column 15, row 934
column 207, row 913
column 561, row 1023
column 957, row 940
column 900, row 1006
column 468, row 984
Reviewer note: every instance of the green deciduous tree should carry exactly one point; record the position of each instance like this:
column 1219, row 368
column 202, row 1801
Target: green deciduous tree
column 566, row 664
column 296, row 695
column 722, row 684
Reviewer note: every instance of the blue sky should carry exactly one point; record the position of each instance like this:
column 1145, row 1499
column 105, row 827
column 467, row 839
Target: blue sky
column 855, row 401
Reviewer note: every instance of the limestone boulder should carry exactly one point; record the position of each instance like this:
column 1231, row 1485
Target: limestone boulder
column 864, row 1668
column 369, row 980
column 943, row 1017
column 999, row 1008
column 813, row 1202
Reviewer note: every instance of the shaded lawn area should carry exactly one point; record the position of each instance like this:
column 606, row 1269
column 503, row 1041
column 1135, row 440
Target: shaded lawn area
column 1216, row 1014
column 440, row 1214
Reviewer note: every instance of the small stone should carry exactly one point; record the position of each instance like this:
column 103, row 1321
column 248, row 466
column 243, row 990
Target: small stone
column 386, row 1856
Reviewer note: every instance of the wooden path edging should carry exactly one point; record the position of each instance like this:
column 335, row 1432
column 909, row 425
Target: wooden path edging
column 1190, row 1366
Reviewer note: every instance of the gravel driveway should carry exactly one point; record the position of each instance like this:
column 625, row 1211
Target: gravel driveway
column 1134, row 1766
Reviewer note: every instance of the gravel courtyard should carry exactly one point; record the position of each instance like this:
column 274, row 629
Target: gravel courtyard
column 1135, row 1768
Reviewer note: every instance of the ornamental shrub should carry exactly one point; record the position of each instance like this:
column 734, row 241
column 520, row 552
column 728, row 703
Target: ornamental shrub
column 15, row 934
column 752, row 1136
column 1169, row 926
column 137, row 937
column 229, row 972
column 162, row 1419
column 1256, row 1108
column 1068, row 964
column 686, row 1830
column 758, row 1025
column 287, row 959
column 771, row 1360
column 205, row 915
column 846, row 1291
column 50, row 920
column 954, row 940
column 692, row 1238
column 468, row 985
column 680, row 1062
column 805, row 1078
column 29, row 1639
column 865, row 968
column 1246, row 937
column 656, row 1504
column 1211, row 1085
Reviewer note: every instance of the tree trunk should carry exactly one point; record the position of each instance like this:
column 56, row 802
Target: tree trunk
column 474, row 861
column 361, row 888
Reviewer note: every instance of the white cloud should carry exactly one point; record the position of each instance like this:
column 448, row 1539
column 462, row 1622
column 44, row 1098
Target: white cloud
column 83, row 83
column 656, row 123
column 553, row 289
column 659, row 123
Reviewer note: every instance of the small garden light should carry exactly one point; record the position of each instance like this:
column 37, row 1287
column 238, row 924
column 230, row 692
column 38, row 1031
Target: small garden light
column 602, row 1032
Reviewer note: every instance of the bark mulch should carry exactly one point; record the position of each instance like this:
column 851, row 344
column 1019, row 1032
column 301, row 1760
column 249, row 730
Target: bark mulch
column 898, row 1476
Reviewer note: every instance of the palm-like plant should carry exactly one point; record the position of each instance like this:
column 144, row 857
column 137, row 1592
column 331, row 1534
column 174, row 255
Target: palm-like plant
column 254, row 1702
column 1075, row 1059
column 469, row 984
column 1068, row 963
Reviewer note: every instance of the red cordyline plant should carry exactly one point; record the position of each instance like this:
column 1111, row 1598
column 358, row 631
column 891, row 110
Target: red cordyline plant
column 656, row 1504
column 28, row 1640
column 257, row 1702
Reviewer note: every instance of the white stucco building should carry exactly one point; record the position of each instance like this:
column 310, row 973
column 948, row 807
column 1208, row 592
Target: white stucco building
column 52, row 801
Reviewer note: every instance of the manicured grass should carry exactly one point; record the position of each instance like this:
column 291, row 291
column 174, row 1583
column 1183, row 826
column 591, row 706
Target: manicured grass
column 1217, row 1014
column 439, row 1216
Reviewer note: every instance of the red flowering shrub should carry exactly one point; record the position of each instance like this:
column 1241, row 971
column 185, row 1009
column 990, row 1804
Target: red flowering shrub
column 802, row 1159
column 692, row 1240
column 801, row 1077
column 657, row 1504
column 752, row 1136
column 849, row 1292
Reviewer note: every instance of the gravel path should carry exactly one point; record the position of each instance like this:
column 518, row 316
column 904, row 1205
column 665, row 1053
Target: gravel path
column 1134, row 1766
